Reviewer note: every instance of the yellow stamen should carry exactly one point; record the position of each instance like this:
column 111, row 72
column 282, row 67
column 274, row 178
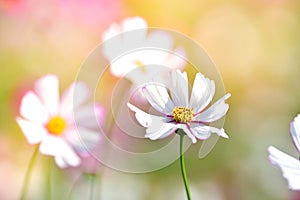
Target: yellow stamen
column 182, row 114
column 141, row 65
column 56, row 125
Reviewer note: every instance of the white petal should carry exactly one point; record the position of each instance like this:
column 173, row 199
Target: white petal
column 295, row 132
column 189, row 133
column 60, row 162
column 288, row 165
column 156, row 127
column 125, row 64
column 159, row 98
column 215, row 112
column 90, row 116
column 176, row 59
column 179, row 88
column 73, row 97
column 56, row 146
column 133, row 23
column 203, row 132
column 143, row 118
column 137, row 28
column 159, row 129
column 47, row 89
column 202, row 92
column 112, row 46
column 34, row 132
column 82, row 139
column 111, row 32
column 160, row 40
column 32, row 108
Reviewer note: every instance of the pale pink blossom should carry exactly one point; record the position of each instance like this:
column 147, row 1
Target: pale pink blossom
column 63, row 127
column 137, row 55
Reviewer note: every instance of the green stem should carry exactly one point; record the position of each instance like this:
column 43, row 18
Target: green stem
column 92, row 179
column 28, row 172
column 48, row 180
column 183, row 167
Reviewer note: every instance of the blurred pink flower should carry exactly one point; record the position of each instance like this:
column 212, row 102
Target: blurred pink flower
column 178, row 112
column 92, row 13
column 64, row 127
column 138, row 56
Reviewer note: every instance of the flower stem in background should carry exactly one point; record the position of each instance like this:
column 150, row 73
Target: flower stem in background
column 182, row 134
column 28, row 173
column 48, row 180
column 92, row 180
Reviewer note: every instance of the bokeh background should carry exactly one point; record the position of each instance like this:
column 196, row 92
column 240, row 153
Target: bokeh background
column 255, row 45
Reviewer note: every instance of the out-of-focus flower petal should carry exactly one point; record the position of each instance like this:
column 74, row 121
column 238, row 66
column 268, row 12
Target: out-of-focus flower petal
column 295, row 132
column 131, row 24
column 73, row 97
column 32, row 131
column 90, row 116
column 33, row 109
column 288, row 165
column 82, row 139
column 176, row 59
column 60, row 162
column 160, row 40
column 47, row 89
column 56, row 146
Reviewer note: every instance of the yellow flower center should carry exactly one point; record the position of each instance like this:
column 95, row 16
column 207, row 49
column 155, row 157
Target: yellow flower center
column 56, row 125
column 182, row 114
column 140, row 65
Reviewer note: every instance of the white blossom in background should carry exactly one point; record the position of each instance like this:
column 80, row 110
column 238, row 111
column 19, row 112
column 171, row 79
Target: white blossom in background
column 49, row 121
column 137, row 55
column 289, row 166
column 193, row 115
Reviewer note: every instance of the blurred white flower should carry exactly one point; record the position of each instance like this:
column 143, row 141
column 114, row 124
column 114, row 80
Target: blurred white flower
column 192, row 115
column 50, row 121
column 138, row 56
column 288, row 165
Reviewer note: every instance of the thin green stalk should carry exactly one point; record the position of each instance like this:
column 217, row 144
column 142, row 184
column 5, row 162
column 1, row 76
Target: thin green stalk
column 69, row 197
column 92, row 179
column 48, row 181
column 183, row 167
column 28, row 173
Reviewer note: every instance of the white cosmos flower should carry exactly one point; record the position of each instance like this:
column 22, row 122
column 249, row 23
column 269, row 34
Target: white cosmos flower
column 49, row 121
column 192, row 115
column 289, row 166
column 129, row 48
